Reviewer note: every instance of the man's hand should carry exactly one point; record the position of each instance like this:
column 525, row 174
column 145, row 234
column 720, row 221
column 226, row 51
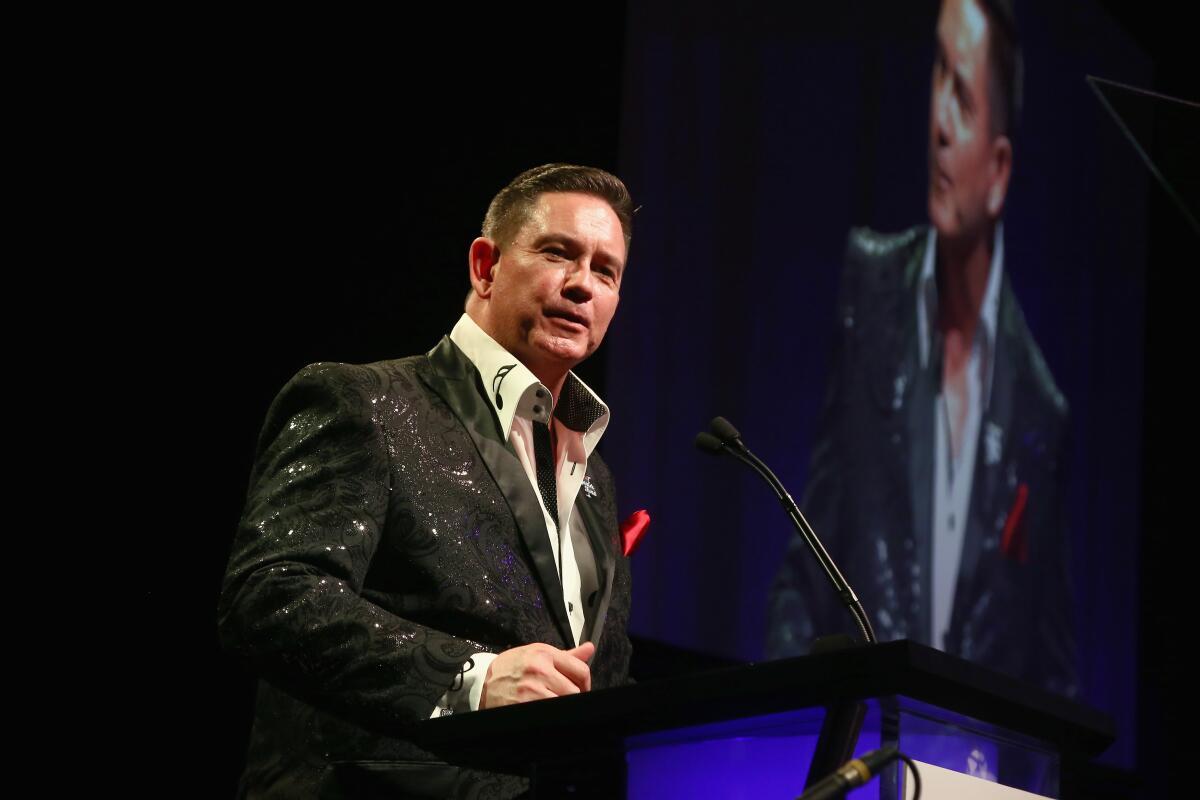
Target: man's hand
column 535, row 671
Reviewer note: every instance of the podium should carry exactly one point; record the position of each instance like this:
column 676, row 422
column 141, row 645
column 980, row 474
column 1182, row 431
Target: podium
column 755, row 731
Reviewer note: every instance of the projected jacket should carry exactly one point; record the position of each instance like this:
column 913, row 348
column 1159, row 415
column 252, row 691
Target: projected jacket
column 870, row 491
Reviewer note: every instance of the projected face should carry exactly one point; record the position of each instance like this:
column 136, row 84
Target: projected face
column 968, row 165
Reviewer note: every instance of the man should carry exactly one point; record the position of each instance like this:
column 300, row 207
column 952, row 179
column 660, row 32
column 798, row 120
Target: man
column 938, row 475
column 435, row 534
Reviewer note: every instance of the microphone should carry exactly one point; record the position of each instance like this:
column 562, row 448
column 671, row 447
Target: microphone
column 724, row 438
column 709, row 443
column 853, row 773
column 725, row 431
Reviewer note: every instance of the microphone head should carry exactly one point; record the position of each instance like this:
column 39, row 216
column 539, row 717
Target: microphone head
column 724, row 430
column 709, row 443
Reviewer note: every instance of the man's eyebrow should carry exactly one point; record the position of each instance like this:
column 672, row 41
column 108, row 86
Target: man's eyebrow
column 554, row 237
column 613, row 260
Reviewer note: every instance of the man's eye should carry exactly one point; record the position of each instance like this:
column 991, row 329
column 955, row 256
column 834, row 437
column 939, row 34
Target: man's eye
column 555, row 252
column 964, row 101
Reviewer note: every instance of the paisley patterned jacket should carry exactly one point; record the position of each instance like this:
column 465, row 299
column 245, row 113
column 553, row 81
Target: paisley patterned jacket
column 388, row 534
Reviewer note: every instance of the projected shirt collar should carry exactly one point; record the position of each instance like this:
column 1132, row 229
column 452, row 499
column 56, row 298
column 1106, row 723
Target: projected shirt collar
column 989, row 311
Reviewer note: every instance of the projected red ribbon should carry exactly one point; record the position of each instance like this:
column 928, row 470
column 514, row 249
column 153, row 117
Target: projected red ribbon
column 1015, row 544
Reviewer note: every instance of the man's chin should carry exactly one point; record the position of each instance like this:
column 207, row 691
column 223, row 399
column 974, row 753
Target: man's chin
column 562, row 351
column 941, row 216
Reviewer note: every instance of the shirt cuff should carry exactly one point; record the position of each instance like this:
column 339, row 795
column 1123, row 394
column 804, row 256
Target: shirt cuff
column 465, row 697
column 473, row 680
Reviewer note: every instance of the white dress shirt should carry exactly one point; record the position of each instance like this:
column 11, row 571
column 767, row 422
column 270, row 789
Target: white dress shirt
column 519, row 400
column 954, row 473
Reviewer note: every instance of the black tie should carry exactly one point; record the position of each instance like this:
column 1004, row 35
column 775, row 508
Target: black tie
column 544, row 456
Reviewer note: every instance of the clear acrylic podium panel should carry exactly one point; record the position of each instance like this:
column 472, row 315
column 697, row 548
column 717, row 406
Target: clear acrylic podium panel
column 768, row 756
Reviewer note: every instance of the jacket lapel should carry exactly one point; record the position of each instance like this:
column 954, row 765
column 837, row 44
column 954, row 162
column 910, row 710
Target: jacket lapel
column 602, row 548
column 925, row 382
column 456, row 381
column 991, row 495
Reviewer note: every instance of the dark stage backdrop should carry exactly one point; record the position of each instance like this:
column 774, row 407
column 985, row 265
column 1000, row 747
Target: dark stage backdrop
column 754, row 140
column 311, row 184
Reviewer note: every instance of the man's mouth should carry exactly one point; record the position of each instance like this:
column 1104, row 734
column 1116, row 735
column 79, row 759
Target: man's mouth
column 941, row 179
column 568, row 316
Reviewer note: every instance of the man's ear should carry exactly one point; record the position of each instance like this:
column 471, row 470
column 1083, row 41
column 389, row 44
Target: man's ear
column 483, row 257
column 1001, row 173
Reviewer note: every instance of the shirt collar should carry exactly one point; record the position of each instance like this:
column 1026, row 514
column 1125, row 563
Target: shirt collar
column 989, row 312
column 515, row 391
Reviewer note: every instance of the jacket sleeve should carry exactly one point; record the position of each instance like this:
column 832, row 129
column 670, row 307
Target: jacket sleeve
column 291, row 600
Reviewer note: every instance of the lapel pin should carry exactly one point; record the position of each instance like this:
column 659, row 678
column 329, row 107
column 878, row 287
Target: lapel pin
column 993, row 443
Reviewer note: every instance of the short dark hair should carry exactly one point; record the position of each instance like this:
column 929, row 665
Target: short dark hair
column 510, row 208
column 1005, row 66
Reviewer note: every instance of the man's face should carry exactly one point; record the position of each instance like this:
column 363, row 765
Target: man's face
column 555, row 286
column 963, row 167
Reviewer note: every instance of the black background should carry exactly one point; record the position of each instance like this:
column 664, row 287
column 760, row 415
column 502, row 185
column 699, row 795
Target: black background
column 309, row 187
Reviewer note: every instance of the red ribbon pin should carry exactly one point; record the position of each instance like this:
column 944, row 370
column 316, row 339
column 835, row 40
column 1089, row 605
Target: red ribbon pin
column 633, row 529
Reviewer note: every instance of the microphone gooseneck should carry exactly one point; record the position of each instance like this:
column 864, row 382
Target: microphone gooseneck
column 722, row 437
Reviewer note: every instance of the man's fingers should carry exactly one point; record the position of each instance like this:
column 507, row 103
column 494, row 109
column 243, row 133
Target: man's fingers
column 535, row 671
column 539, row 686
column 561, row 684
column 575, row 668
column 583, row 652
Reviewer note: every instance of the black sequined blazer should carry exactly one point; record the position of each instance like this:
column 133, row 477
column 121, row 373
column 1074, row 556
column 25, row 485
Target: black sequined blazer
column 389, row 533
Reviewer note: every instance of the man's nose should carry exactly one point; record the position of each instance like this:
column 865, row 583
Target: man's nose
column 577, row 285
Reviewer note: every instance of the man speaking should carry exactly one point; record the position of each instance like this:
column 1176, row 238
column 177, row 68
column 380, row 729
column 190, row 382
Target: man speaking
column 435, row 534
